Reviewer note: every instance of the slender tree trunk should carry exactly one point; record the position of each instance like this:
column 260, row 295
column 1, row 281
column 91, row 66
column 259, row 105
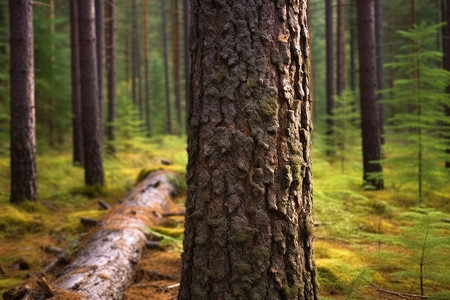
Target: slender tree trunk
column 147, row 76
column 23, row 122
column 341, row 72
column 248, row 213
column 77, row 128
column 176, row 63
column 371, row 139
column 53, row 113
column 187, row 52
column 93, row 165
column 352, row 59
column 379, row 51
column 134, row 50
column 446, row 46
column 99, row 20
column 111, row 69
column 166, row 69
column 329, row 67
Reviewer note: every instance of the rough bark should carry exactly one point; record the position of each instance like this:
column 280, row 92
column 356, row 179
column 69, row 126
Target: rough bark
column 99, row 21
column 379, row 53
column 166, row 69
column 370, row 122
column 248, row 220
column 329, row 65
column 23, row 122
column 187, row 52
column 340, row 47
column 93, row 166
column 111, row 77
column 446, row 46
column 176, row 63
column 147, row 74
column 106, row 265
column 77, row 128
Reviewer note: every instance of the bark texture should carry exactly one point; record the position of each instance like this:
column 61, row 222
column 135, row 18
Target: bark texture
column 248, row 230
column 379, row 53
column 77, row 127
column 93, row 166
column 106, row 265
column 187, row 52
column 99, row 38
column 329, row 65
column 176, row 63
column 23, row 121
column 370, row 122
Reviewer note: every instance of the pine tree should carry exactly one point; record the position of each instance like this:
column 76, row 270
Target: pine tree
column 418, row 137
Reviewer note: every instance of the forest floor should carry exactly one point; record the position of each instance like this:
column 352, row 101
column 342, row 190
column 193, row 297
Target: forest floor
column 364, row 239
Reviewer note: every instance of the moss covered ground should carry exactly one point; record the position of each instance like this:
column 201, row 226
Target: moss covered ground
column 363, row 237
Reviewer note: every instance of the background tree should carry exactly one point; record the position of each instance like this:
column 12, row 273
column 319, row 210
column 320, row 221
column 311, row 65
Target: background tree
column 340, row 47
column 379, row 60
column 330, row 67
column 147, row 74
column 166, row 68
column 23, row 139
column 187, row 54
column 446, row 48
column 93, row 165
column 371, row 138
column 111, row 73
column 77, row 129
column 99, row 29
column 248, row 224
column 176, row 63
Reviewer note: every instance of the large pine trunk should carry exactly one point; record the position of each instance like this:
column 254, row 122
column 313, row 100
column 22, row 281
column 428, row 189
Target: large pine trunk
column 77, row 128
column 370, row 121
column 93, row 165
column 248, row 230
column 23, row 122
column 379, row 60
column 99, row 21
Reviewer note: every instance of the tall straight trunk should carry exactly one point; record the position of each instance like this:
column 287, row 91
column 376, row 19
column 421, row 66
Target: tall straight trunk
column 111, row 76
column 99, row 4
column 329, row 66
column 379, row 53
column 370, row 121
column 23, row 121
column 176, row 63
column 248, row 232
column 187, row 52
column 126, row 53
column 166, row 69
column 51, row 119
column 136, row 58
column 147, row 76
column 340, row 49
column 93, row 166
column 446, row 47
column 77, row 128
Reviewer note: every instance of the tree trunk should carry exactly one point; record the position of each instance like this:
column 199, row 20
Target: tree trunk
column 370, row 121
column 379, row 61
column 100, row 42
column 134, row 53
column 147, row 75
column 446, row 46
column 106, row 265
column 341, row 74
column 166, row 69
column 77, row 128
column 23, row 122
column 248, row 220
column 176, row 63
column 93, row 165
column 329, row 67
column 187, row 52
column 111, row 69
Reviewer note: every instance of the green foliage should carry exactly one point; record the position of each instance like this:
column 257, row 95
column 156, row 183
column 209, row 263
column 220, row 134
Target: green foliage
column 426, row 241
column 418, row 132
column 346, row 130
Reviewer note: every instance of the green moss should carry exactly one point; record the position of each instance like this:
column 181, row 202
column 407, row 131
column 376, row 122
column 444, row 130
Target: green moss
column 251, row 83
column 269, row 109
column 14, row 222
column 220, row 75
column 73, row 224
column 143, row 173
column 90, row 191
column 261, row 255
column 8, row 283
column 290, row 292
column 172, row 232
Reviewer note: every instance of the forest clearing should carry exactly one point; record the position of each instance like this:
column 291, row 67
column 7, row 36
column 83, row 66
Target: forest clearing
column 164, row 149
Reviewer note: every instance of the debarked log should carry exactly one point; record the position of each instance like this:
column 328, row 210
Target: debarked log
column 105, row 267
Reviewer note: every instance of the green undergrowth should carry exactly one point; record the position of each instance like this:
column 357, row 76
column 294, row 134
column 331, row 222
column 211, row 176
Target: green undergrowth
column 27, row 228
column 369, row 237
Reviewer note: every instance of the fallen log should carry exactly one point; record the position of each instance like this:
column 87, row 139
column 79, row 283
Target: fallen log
column 106, row 265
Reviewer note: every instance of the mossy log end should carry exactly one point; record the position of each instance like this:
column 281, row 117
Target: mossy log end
column 105, row 267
